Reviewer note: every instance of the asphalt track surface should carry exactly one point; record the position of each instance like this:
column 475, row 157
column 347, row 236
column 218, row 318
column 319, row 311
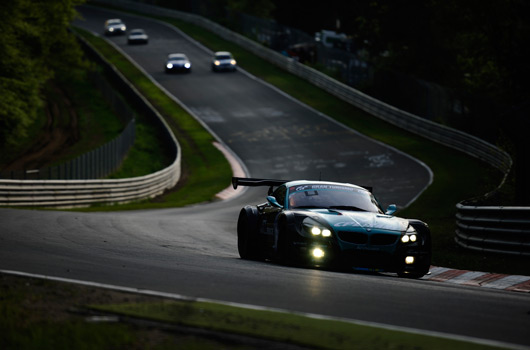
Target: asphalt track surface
column 192, row 251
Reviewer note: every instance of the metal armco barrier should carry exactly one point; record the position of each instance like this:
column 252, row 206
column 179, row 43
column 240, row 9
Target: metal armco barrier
column 82, row 193
column 494, row 229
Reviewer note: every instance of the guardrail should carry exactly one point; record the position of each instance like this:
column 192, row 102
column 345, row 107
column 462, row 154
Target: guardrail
column 494, row 229
column 80, row 193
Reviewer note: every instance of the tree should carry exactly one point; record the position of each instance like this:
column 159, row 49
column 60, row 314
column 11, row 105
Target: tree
column 35, row 45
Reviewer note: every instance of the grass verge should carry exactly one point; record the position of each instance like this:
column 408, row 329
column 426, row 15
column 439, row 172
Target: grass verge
column 286, row 328
column 44, row 314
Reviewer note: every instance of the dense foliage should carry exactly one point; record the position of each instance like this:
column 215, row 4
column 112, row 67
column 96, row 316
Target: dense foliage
column 35, row 47
column 473, row 45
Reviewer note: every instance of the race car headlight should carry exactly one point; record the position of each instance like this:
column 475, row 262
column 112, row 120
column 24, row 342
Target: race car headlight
column 123, row 28
column 169, row 65
column 315, row 229
column 217, row 63
column 233, row 62
column 409, row 236
column 187, row 65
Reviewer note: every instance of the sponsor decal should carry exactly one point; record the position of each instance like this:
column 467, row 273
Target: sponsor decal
column 323, row 187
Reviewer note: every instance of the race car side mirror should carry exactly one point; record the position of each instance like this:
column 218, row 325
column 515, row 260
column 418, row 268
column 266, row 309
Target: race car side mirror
column 391, row 209
column 272, row 201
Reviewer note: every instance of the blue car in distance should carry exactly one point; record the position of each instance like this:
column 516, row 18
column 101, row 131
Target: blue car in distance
column 330, row 224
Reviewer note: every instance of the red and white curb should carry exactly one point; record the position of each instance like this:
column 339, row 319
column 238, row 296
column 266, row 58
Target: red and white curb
column 516, row 283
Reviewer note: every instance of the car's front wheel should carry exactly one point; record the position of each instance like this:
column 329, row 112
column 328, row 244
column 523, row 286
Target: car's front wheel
column 247, row 227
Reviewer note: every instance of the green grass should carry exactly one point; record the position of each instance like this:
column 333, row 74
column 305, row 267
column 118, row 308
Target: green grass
column 42, row 314
column 46, row 314
column 284, row 327
column 146, row 156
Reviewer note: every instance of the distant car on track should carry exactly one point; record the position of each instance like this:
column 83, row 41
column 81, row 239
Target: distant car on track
column 330, row 224
column 223, row 61
column 115, row 26
column 177, row 62
column 137, row 36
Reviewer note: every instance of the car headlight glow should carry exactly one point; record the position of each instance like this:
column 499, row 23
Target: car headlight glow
column 317, row 253
column 409, row 238
column 187, row 65
column 111, row 29
column 233, row 62
column 317, row 231
column 409, row 260
column 169, row 65
column 217, row 63
column 123, row 28
column 314, row 228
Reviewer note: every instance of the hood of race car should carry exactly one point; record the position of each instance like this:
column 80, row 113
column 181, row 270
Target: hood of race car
column 360, row 221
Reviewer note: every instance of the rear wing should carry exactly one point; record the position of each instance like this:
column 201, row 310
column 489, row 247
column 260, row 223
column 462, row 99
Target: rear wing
column 247, row 181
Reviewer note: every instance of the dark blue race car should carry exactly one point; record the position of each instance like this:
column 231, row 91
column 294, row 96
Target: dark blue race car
column 330, row 224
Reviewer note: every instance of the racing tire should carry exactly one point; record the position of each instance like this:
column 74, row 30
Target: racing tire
column 425, row 263
column 247, row 227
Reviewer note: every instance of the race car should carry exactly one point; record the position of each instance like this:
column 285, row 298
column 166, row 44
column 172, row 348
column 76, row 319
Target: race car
column 137, row 36
column 115, row 26
column 177, row 62
column 330, row 224
column 223, row 61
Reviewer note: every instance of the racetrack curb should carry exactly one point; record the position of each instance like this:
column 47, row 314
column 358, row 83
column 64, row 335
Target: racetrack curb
column 515, row 283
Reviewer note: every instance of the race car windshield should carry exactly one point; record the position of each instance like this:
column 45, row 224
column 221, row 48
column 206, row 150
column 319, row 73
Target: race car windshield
column 332, row 197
